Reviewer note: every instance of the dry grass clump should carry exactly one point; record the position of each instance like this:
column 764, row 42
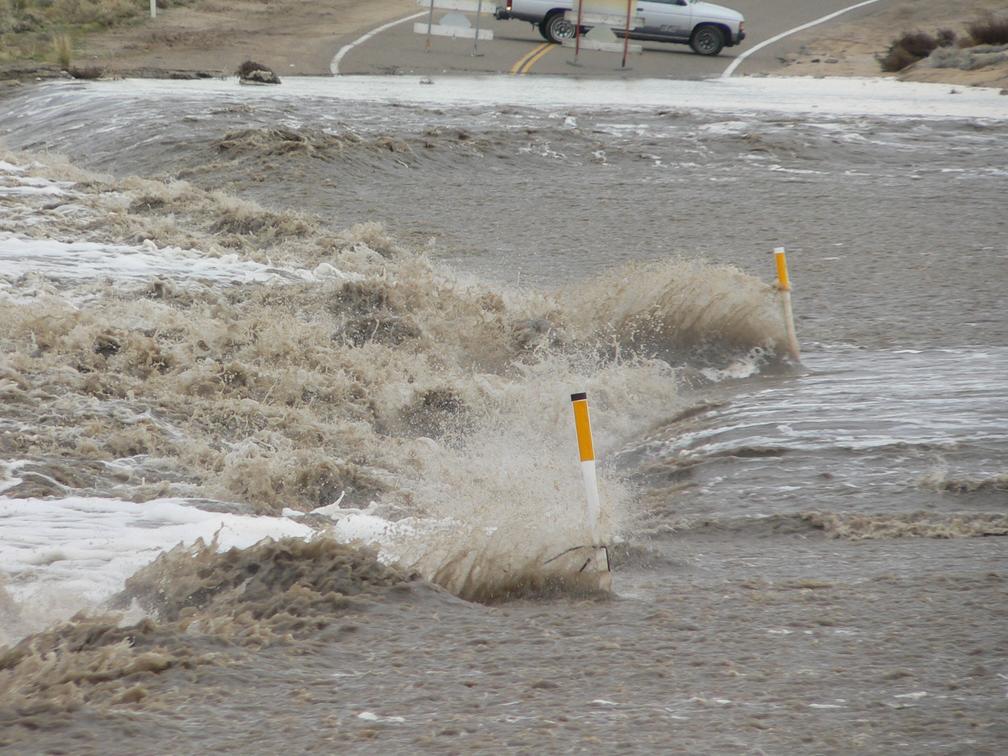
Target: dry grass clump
column 989, row 30
column 62, row 46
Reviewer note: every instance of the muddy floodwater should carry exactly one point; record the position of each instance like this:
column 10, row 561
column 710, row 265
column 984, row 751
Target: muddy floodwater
column 352, row 323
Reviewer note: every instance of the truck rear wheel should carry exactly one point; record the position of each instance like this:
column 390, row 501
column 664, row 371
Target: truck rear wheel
column 707, row 39
column 556, row 28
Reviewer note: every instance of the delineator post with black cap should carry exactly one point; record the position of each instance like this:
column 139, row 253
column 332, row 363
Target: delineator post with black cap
column 586, row 453
column 784, row 287
column 586, row 565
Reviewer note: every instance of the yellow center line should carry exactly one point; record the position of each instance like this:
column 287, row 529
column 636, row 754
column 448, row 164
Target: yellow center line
column 524, row 58
column 535, row 57
column 517, row 67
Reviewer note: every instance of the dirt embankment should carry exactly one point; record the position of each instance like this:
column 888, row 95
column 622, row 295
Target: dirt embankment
column 852, row 46
column 213, row 37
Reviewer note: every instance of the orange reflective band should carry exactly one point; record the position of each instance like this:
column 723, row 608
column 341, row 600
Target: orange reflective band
column 583, row 427
column 783, row 281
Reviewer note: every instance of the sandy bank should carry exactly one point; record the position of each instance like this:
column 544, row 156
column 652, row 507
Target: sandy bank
column 294, row 37
column 851, row 46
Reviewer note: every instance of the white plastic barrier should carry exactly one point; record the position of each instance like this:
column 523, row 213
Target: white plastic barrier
column 454, row 25
column 604, row 17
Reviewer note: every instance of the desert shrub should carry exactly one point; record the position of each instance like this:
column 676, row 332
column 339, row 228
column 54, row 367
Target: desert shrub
column 919, row 44
column 980, row 56
column 896, row 59
column 6, row 16
column 989, row 30
column 945, row 37
column 86, row 72
column 913, row 46
column 249, row 67
column 33, row 15
column 103, row 13
column 18, row 16
column 252, row 71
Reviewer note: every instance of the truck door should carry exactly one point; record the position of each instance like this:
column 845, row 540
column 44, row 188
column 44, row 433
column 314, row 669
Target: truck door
column 664, row 19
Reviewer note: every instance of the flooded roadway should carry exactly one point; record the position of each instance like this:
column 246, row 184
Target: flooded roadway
column 799, row 564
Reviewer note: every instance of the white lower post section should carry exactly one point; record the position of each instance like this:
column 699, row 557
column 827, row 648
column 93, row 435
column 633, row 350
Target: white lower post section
column 586, row 565
column 789, row 327
column 784, row 287
column 594, row 508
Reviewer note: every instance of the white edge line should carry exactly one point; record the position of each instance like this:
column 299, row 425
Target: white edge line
column 738, row 61
column 334, row 65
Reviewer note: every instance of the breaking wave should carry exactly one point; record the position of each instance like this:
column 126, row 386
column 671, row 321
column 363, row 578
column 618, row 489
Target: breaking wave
column 347, row 367
column 858, row 527
column 205, row 607
column 941, row 481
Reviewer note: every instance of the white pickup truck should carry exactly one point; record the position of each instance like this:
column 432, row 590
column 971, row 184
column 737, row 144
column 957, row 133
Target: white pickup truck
column 705, row 27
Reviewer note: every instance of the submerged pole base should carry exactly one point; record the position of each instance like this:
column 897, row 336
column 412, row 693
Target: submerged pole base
column 582, row 567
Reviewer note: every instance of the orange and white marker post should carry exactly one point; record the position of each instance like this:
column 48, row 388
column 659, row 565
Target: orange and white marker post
column 586, row 451
column 784, row 287
column 587, row 565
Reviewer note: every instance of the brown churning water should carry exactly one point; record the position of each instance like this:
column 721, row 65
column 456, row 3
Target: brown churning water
column 215, row 317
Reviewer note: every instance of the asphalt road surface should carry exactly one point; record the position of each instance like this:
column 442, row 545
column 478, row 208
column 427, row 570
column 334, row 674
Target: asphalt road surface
column 518, row 48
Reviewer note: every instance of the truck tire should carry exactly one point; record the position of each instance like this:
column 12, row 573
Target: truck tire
column 707, row 39
column 541, row 26
column 556, row 28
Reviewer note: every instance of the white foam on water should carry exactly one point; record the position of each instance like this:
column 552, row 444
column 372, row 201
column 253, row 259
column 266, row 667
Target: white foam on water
column 798, row 95
column 800, row 171
column 906, row 401
column 60, row 556
column 726, row 128
column 14, row 184
column 744, row 367
column 88, row 261
column 88, row 546
column 370, row 716
column 25, row 189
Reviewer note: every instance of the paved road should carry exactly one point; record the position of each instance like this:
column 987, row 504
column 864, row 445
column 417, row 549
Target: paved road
column 517, row 47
